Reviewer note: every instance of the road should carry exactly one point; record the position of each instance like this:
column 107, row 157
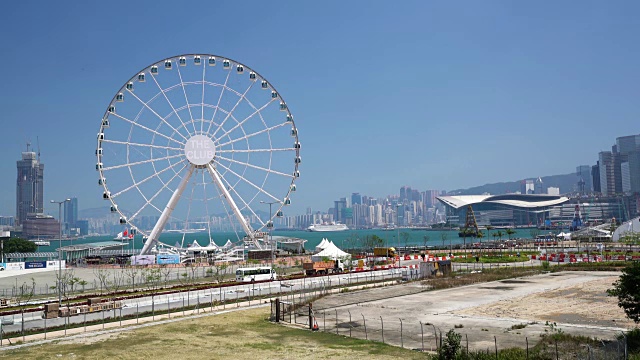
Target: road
column 292, row 290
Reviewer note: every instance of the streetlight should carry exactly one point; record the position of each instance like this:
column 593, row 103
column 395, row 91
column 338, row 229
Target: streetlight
column 270, row 226
column 60, row 247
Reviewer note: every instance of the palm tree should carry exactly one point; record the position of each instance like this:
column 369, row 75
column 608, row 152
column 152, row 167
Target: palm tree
column 499, row 233
column 425, row 239
column 510, row 232
column 465, row 233
column 480, row 236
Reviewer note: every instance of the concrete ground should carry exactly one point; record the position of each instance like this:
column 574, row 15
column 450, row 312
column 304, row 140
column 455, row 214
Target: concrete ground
column 483, row 313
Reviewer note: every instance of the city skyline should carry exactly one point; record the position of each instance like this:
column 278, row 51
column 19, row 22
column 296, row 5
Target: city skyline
column 435, row 73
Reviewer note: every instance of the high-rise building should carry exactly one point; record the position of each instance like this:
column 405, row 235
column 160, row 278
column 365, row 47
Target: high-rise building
column 538, row 187
column 405, row 192
column 629, row 149
column 71, row 212
column 610, row 171
column 527, row 186
column 356, row 199
column 595, row 176
column 29, row 189
column 339, row 210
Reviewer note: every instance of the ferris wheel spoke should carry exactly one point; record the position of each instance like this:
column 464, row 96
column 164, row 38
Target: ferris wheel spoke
column 166, row 213
column 141, row 145
column 164, row 186
column 186, row 99
column 249, row 182
column 204, row 70
column 234, row 207
column 251, row 135
column 219, row 99
column 242, row 97
column 141, row 162
column 255, row 167
column 136, row 184
column 246, row 206
column 169, row 102
column 146, row 128
column 156, row 114
column 245, row 119
column 255, row 150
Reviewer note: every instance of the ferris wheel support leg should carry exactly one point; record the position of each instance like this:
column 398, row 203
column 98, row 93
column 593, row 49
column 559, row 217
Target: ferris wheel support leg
column 243, row 222
column 166, row 213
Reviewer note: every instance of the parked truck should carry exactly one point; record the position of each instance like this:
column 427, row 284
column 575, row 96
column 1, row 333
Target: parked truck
column 384, row 252
column 322, row 267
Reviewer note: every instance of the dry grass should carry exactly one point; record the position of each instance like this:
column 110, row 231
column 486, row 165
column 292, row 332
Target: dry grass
column 236, row 335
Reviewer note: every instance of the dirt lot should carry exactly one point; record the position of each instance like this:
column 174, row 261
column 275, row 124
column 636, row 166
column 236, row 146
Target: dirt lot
column 509, row 312
column 581, row 304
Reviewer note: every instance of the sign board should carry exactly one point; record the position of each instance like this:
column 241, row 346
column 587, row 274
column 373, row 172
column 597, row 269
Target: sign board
column 35, row 264
column 164, row 259
column 14, row 266
column 143, row 260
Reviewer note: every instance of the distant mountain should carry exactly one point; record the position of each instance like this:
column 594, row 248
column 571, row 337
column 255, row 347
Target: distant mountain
column 102, row 212
column 567, row 183
column 94, row 213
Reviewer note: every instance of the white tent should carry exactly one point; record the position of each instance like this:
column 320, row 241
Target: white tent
column 323, row 245
column 331, row 252
column 227, row 245
column 564, row 236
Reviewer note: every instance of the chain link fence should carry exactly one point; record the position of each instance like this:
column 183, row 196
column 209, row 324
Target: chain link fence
column 428, row 337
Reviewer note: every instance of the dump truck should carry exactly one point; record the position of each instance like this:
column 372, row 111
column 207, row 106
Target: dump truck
column 322, row 267
column 384, row 252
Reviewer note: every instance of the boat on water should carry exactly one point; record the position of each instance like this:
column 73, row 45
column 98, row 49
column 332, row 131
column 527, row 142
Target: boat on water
column 327, row 227
column 40, row 242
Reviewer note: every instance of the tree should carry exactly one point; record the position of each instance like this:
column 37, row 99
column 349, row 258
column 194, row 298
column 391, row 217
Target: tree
column 499, row 234
column 166, row 273
column 132, row 273
column 450, row 348
column 443, row 236
column 480, row 235
column 103, row 278
column 510, row 232
column 24, row 294
column 405, row 237
column 425, row 240
column 627, row 289
column 18, row 245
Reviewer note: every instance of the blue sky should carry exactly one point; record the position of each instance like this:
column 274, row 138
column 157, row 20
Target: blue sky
column 435, row 95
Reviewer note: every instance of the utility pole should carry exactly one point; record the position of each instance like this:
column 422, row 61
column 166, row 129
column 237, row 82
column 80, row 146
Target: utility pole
column 60, row 247
column 270, row 227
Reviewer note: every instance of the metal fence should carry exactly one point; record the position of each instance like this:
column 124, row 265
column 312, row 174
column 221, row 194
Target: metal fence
column 420, row 336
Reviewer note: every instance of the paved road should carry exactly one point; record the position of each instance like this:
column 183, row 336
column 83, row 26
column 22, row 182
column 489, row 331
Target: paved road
column 292, row 290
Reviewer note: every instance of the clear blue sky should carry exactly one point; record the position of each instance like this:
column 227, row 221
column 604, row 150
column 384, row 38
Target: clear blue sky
column 435, row 95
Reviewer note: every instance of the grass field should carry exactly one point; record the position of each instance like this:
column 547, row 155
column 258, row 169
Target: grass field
column 235, row 335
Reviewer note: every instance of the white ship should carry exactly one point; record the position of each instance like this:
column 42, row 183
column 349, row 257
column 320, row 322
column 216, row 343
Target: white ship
column 328, row 227
column 40, row 242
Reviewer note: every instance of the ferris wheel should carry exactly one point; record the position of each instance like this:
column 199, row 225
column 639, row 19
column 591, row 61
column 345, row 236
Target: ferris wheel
column 195, row 143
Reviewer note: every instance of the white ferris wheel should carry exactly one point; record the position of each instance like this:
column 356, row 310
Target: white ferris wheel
column 194, row 141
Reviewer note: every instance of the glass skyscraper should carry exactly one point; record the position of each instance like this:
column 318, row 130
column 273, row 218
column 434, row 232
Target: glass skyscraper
column 29, row 189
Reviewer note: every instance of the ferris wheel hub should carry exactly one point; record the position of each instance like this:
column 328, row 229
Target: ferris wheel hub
column 200, row 150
